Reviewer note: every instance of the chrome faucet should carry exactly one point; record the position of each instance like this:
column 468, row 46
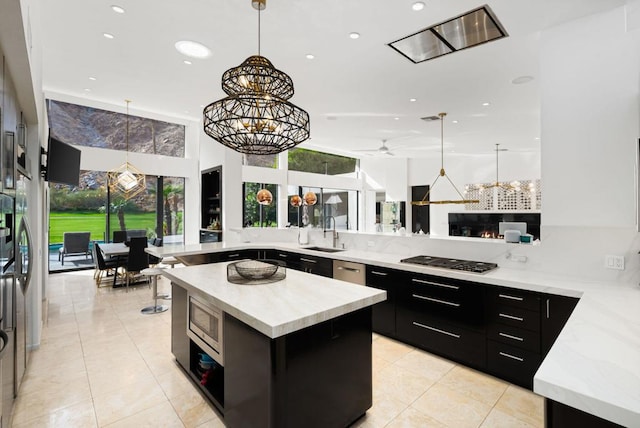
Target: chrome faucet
column 334, row 233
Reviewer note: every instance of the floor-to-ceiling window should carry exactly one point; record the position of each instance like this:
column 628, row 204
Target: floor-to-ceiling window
column 90, row 206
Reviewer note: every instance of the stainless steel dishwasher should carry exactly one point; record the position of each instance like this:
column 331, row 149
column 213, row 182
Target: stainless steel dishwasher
column 349, row 271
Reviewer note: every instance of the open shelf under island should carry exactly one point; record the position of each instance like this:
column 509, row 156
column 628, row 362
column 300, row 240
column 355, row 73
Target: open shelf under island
column 296, row 352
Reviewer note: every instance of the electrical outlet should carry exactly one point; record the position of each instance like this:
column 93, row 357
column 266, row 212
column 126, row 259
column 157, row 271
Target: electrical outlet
column 614, row 262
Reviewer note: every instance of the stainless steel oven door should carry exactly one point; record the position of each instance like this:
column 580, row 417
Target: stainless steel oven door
column 205, row 328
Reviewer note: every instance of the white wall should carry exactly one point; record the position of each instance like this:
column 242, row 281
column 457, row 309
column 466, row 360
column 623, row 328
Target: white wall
column 590, row 126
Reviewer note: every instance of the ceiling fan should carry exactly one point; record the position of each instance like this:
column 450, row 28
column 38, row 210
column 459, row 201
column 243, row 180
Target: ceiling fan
column 383, row 149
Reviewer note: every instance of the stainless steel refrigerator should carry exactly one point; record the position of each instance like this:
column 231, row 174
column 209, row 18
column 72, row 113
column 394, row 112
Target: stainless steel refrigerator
column 7, row 307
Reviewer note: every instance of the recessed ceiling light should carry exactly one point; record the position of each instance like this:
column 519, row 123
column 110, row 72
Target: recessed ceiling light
column 413, row 100
column 108, row 35
column 417, row 6
column 537, row 138
column 522, row 79
column 396, row 118
column 87, row 90
column 354, row 35
column 309, row 56
column 193, row 49
column 117, row 9
column 186, row 61
column 486, row 104
column 92, row 78
column 454, row 121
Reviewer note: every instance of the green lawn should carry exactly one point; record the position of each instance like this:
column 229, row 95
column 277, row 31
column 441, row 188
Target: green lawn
column 60, row 222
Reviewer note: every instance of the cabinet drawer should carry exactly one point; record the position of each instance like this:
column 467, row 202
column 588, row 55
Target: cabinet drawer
column 515, row 317
column 439, row 337
column 514, row 336
column 382, row 277
column 512, row 364
column 464, row 306
column 289, row 259
column 499, row 297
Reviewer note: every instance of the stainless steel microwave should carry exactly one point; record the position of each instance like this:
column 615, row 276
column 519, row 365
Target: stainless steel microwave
column 205, row 328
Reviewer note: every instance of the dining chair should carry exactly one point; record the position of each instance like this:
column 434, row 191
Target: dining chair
column 138, row 258
column 119, row 235
column 104, row 266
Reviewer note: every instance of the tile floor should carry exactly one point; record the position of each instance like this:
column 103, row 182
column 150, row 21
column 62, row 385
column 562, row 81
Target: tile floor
column 103, row 364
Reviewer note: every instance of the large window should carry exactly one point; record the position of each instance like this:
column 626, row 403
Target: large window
column 333, row 206
column 264, row 161
column 320, row 163
column 255, row 214
column 90, row 207
column 92, row 127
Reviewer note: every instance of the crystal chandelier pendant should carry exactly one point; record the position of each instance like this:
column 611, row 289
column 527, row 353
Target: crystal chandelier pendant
column 126, row 179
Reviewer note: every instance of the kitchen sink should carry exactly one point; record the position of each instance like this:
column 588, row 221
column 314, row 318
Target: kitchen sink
column 325, row 249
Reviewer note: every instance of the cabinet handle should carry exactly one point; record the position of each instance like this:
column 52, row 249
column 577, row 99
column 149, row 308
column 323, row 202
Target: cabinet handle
column 348, row 269
column 307, row 260
column 422, row 281
column 233, row 255
column 506, row 296
column 508, row 336
column 548, row 316
column 513, row 357
column 511, row 317
column 437, row 330
column 375, row 272
column 284, row 256
column 431, row 299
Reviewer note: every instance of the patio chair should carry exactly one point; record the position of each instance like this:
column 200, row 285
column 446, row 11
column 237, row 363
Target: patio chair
column 75, row 244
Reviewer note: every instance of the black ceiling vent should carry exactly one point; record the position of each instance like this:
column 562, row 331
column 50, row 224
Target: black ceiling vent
column 467, row 30
column 430, row 118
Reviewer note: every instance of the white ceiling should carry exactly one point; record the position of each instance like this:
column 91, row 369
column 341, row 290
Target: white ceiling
column 356, row 91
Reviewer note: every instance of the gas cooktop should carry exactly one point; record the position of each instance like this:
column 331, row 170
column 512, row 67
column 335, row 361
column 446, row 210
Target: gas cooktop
column 453, row 264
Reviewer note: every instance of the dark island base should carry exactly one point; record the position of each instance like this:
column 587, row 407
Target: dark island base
column 558, row 415
column 316, row 377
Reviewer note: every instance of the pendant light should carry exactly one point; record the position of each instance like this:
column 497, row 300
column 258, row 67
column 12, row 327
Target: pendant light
column 255, row 117
column 264, row 197
column 126, row 179
column 295, row 201
column 425, row 199
column 505, row 186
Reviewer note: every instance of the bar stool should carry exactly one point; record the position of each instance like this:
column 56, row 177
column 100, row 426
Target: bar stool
column 171, row 261
column 153, row 273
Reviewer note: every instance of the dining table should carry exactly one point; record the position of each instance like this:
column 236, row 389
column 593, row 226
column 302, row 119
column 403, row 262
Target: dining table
column 115, row 249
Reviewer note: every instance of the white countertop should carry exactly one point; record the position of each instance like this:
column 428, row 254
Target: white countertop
column 594, row 364
column 299, row 300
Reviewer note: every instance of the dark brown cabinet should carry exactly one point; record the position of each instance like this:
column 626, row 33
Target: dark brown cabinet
column 290, row 260
column 513, row 334
column 384, row 313
column 555, row 313
column 443, row 316
column 312, row 264
column 211, row 205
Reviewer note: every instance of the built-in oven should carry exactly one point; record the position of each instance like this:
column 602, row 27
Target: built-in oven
column 205, row 327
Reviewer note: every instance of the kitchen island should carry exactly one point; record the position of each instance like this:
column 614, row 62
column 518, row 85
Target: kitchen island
column 296, row 352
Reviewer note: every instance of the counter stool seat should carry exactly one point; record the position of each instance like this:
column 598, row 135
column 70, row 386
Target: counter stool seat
column 171, row 261
column 153, row 273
